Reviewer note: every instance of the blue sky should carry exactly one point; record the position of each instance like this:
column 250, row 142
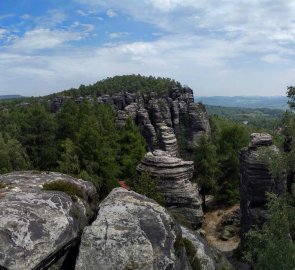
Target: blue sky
column 218, row 47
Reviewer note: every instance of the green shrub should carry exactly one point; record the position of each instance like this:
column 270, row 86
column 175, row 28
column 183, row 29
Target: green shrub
column 69, row 188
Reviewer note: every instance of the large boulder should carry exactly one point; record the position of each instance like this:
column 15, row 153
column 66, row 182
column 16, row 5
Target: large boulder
column 131, row 232
column 37, row 226
column 256, row 181
column 134, row 232
column 173, row 177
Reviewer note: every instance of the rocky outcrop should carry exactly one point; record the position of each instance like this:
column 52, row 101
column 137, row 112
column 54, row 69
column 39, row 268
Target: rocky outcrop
column 131, row 232
column 37, row 226
column 134, row 232
column 167, row 140
column 173, row 177
column 209, row 257
column 175, row 110
column 256, row 181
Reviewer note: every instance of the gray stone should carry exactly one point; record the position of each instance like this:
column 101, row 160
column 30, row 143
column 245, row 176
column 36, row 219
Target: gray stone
column 173, row 177
column 131, row 232
column 255, row 182
column 260, row 139
column 37, row 226
column 210, row 258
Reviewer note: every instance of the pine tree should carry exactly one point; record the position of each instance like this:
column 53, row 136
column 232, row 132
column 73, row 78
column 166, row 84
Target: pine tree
column 132, row 150
column 206, row 167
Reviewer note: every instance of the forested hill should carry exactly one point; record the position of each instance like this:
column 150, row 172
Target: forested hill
column 125, row 83
column 278, row 102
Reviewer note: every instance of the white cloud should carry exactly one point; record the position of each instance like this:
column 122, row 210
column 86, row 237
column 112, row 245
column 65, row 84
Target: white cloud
column 26, row 17
column 111, row 13
column 118, row 34
column 3, row 33
column 273, row 59
column 217, row 47
column 43, row 38
column 6, row 16
column 202, row 64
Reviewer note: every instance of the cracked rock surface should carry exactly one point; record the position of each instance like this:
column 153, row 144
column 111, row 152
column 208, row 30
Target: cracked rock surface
column 130, row 232
column 37, row 226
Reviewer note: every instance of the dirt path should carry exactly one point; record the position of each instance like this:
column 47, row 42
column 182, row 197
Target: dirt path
column 211, row 226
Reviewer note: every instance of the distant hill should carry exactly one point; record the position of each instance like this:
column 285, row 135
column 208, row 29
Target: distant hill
column 263, row 118
column 278, row 102
column 10, row 96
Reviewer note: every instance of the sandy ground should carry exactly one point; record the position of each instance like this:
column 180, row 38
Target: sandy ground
column 210, row 226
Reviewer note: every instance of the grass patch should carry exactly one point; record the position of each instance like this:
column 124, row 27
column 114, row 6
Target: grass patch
column 71, row 189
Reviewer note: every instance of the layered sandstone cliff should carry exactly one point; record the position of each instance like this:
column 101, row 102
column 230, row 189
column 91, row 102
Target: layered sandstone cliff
column 173, row 176
column 256, row 181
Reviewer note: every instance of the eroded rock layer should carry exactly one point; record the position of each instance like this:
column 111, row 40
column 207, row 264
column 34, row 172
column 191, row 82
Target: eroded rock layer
column 38, row 226
column 152, row 112
column 173, row 176
column 256, row 181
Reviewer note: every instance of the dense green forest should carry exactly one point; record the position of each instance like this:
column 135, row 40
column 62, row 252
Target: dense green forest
column 81, row 140
column 125, row 83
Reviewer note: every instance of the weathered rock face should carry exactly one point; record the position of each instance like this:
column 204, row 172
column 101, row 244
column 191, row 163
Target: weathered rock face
column 176, row 111
column 256, row 181
column 130, row 232
column 173, row 175
column 38, row 226
column 134, row 232
column 210, row 258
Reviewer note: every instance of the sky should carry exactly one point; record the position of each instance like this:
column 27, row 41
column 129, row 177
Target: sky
column 217, row 47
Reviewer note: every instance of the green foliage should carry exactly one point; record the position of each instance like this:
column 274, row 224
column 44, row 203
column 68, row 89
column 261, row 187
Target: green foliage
column 228, row 137
column 192, row 254
column 206, row 166
column 275, row 160
column 38, row 130
column 271, row 247
column 69, row 161
column 126, row 83
column 132, row 150
column 291, row 96
column 69, row 188
column 146, row 185
column 13, row 156
column 260, row 119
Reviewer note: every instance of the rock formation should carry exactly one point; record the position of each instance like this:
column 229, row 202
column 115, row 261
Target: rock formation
column 256, row 181
column 173, row 175
column 134, row 232
column 37, row 226
column 160, row 116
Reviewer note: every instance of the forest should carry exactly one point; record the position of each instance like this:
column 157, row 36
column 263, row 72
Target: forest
column 82, row 140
